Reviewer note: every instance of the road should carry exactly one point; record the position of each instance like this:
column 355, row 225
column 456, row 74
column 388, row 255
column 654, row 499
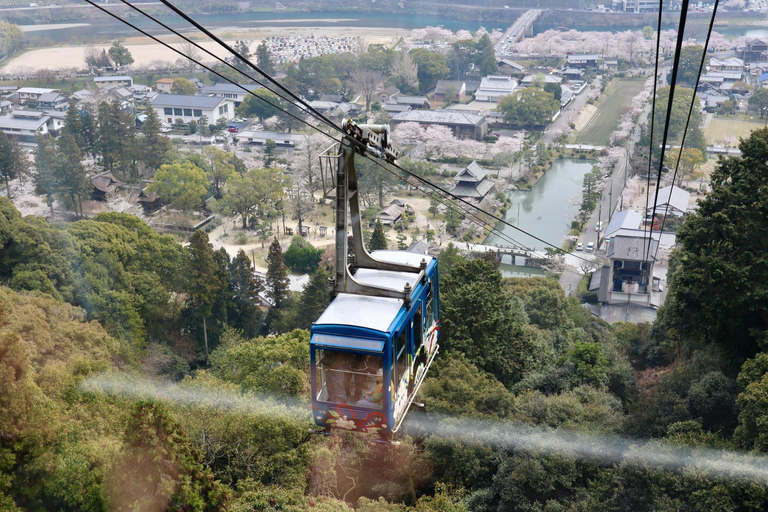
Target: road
column 515, row 32
column 567, row 115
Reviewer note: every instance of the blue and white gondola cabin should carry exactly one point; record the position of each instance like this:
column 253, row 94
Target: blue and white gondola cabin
column 369, row 355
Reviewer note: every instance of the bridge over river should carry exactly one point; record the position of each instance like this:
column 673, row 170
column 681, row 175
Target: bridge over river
column 531, row 258
column 522, row 27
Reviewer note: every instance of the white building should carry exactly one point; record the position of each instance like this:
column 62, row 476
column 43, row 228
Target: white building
column 494, row 87
column 229, row 91
column 26, row 125
column 171, row 107
column 34, row 93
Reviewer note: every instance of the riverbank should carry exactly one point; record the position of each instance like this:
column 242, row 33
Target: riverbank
column 145, row 52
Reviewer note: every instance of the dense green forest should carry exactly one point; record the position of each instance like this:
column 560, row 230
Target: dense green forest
column 110, row 297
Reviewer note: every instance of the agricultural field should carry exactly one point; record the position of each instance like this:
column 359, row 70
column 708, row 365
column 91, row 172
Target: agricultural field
column 610, row 107
column 726, row 132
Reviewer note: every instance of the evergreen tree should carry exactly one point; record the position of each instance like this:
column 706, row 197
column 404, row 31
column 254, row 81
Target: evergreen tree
column 120, row 55
column 159, row 468
column 488, row 64
column 378, row 239
column 314, row 300
column 242, row 48
column 69, row 173
column 73, row 124
column 245, row 313
column 45, row 162
column 12, row 161
column 155, row 145
column 277, row 275
column 717, row 285
column 263, row 59
column 116, row 140
column 204, row 284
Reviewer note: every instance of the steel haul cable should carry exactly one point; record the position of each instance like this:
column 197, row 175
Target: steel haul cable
column 687, row 121
column 314, row 114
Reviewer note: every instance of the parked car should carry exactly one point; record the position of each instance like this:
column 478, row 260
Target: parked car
column 590, row 246
column 579, row 246
column 233, row 129
column 599, row 227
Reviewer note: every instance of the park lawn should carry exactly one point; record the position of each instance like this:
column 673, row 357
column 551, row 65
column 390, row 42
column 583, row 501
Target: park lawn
column 614, row 102
column 726, row 132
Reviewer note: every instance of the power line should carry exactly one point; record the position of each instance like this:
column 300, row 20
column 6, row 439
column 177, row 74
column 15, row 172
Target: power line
column 675, row 71
column 653, row 119
column 313, row 113
column 223, row 61
column 249, row 63
column 206, row 67
column 687, row 121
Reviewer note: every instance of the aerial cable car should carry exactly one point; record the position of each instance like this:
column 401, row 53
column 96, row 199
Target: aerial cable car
column 371, row 348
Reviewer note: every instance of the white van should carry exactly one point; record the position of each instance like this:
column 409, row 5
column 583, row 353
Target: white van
column 590, row 246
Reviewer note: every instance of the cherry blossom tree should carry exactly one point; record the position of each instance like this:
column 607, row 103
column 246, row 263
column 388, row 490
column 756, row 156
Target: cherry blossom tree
column 407, row 134
column 438, row 139
column 506, row 145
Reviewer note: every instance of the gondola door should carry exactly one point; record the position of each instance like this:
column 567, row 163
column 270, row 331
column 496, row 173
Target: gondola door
column 400, row 373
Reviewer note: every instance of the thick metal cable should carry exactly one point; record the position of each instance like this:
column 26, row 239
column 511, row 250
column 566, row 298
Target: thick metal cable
column 687, row 122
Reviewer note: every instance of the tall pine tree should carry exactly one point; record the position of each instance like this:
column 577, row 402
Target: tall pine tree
column 244, row 313
column 12, row 161
column 277, row 275
column 155, row 145
column 378, row 239
column 69, row 173
column 314, row 300
column 204, row 283
column 45, row 162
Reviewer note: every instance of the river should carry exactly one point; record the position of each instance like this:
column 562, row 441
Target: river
column 545, row 211
column 107, row 28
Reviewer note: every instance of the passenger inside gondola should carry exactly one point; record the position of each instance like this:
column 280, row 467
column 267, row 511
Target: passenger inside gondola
column 374, row 395
column 349, row 378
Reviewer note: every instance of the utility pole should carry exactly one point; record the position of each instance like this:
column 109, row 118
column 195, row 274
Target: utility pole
column 610, row 200
column 599, row 216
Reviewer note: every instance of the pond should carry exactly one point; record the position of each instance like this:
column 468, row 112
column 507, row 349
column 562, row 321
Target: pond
column 545, row 211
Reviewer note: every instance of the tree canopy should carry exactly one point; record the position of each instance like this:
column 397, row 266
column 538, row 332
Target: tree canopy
column 531, row 107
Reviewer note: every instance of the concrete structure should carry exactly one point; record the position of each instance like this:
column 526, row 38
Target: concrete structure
column 458, row 87
column 171, row 107
column 494, row 87
column 628, row 277
column 463, row 125
column 523, row 26
column 471, row 182
column 26, row 125
column 164, row 85
column 120, row 81
column 229, row 91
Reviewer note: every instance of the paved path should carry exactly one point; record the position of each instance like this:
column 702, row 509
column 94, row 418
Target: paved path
column 562, row 123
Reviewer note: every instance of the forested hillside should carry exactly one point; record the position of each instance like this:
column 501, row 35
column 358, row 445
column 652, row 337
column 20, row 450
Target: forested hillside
column 109, row 297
